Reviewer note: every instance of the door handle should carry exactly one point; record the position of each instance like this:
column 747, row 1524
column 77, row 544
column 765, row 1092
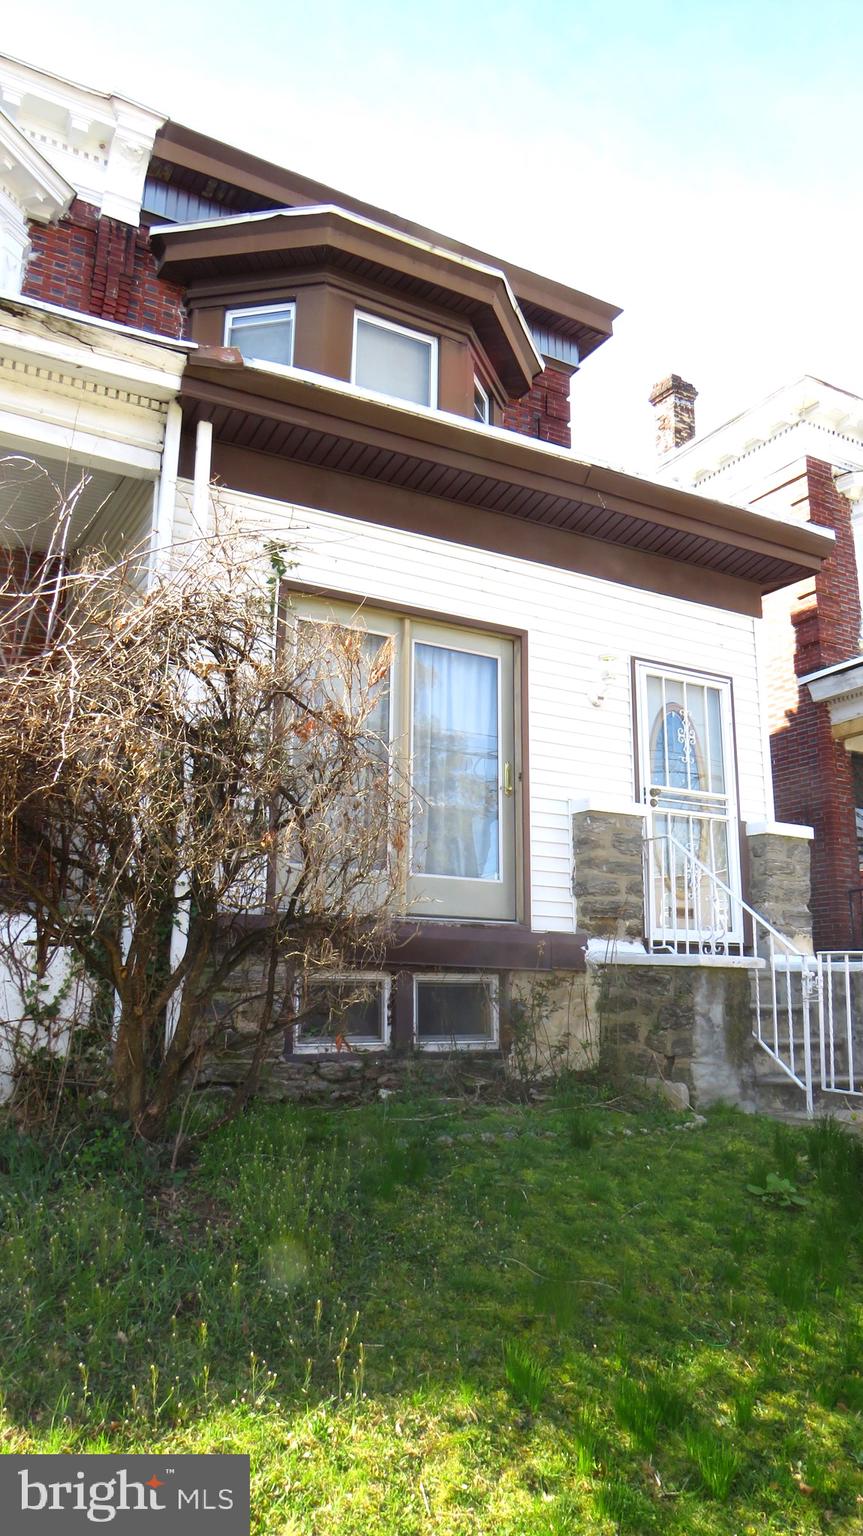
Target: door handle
column 507, row 778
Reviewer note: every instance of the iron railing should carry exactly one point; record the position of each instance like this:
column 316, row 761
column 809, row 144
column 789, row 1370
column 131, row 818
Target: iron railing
column 711, row 919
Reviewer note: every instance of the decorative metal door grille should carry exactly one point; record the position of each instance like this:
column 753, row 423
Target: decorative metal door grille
column 687, row 774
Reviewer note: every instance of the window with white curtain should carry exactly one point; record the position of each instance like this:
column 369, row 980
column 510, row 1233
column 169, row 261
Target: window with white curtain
column 393, row 360
column 447, row 717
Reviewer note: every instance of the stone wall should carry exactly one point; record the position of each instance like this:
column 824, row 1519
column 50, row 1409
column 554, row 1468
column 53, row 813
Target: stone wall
column 608, row 874
column 356, row 1078
column 548, row 1024
column 779, row 884
column 681, row 1023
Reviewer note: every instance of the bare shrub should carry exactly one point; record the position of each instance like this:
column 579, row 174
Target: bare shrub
column 192, row 789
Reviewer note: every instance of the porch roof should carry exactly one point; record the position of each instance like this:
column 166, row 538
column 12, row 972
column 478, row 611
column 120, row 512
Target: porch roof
column 330, row 425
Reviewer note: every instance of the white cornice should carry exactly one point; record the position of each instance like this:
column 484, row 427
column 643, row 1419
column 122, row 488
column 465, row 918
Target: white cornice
column 808, row 416
column 39, row 190
column 66, row 346
column 98, row 142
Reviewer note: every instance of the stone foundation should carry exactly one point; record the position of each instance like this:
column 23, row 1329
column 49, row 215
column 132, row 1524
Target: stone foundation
column 682, row 1023
column 357, row 1078
column 548, row 1025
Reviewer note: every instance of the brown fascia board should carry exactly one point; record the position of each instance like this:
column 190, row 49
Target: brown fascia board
column 544, row 300
column 508, row 455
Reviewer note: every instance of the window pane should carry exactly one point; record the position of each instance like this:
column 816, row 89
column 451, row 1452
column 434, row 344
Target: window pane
column 455, row 1010
column 455, row 764
column 343, row 1008
column 480, row 402
column 264, row 338
column 393, row 363
column 714, row 720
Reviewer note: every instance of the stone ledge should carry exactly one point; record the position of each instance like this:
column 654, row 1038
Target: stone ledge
column 607, row 805
column 779, row 829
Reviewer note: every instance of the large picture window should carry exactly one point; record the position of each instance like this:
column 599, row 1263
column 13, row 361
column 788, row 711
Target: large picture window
column 447, row 716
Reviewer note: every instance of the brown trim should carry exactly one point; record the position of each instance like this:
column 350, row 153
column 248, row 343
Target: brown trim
column 202, row 159
column 264, row 475
column 521, row 714
column 325, row 306
column 402, row 1017
column 331, row 238
column 484, row 946
column 460, row 945
column 364, row 439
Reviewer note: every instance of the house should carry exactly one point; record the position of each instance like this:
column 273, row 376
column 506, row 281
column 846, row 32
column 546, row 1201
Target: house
column 575, row 689
column 799, row 454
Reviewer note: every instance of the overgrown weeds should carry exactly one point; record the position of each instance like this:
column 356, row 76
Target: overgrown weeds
column 406, row 1320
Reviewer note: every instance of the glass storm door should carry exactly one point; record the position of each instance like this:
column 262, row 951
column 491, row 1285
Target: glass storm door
column 462, row 856
column 688, row 782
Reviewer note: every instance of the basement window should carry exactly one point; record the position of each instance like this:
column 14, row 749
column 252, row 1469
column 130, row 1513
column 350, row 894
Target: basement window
column 264, row 334
column 456, row 1012
column 345, row 1013
column 392, row 360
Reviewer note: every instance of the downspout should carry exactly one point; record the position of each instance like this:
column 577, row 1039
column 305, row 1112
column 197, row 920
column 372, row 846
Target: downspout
column 166, row 487
column 201, row 481
column 200, row 517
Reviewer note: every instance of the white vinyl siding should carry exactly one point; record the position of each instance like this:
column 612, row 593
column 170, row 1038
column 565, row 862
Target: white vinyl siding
column 582, row 634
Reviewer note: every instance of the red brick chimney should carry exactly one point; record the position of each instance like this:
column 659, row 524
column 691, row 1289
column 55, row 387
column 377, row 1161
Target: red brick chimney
column 674, row 402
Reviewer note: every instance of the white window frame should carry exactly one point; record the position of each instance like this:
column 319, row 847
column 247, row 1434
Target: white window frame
column 479, row 389
column 403, row 330
column 326, row 1045
column 288, row 308
column 686, row 940
column 466, row 1042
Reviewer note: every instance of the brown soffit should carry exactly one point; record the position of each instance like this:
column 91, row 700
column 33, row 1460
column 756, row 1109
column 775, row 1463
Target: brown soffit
column 336, row 428
column 210, row 167
column 293, row 239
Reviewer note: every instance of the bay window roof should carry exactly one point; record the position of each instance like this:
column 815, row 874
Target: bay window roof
column 287, row 240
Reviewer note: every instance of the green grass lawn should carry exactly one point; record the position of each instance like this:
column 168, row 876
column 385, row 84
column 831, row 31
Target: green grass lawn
column 428, row 1318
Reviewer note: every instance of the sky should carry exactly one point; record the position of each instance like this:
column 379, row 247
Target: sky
column 698, row 165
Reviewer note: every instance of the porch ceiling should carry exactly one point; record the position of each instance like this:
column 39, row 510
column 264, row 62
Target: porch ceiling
column 32, row 491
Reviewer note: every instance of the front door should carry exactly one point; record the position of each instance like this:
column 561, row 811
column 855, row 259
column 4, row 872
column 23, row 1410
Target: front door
column 688, row 782
column 462, row 856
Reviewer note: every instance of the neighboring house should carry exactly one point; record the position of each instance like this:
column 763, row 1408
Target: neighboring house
column 799, row 455
column 575, row 689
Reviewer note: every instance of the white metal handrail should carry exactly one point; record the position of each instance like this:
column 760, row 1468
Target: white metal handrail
column 788, row 983
column 841, row 974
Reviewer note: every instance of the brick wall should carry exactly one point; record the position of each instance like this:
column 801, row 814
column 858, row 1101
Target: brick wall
column 544, row 412
column 23, row 630
column 102, row 267
column 812, row 773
